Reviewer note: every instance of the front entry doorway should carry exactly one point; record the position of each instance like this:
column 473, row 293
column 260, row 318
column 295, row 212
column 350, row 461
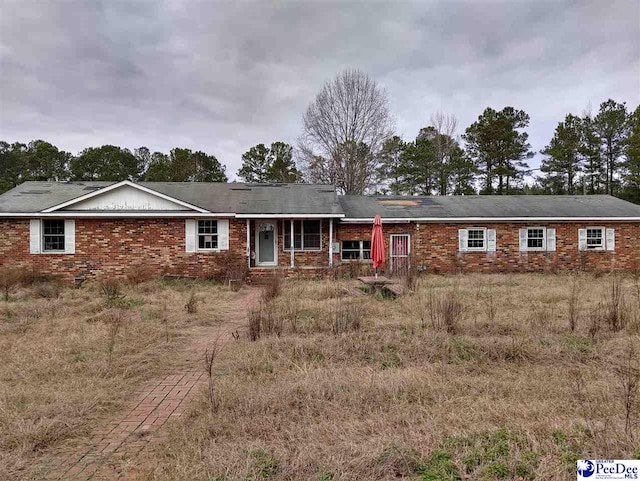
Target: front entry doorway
column 266, row 236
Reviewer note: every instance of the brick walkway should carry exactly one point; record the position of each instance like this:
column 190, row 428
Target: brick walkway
column 155, row 403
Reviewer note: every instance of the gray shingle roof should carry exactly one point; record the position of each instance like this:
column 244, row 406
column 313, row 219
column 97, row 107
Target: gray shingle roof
column 238, row 198
column 487, row 206
column 315, row 199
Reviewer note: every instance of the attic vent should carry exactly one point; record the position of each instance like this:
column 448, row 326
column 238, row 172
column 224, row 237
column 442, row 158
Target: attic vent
column 92, row 188
column 329, row 191
column 35, row 192
column 241, row 188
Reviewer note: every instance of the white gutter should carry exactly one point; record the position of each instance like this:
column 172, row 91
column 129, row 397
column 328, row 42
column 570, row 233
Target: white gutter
column 141, row 214
column 444, row 220
column 288, row 216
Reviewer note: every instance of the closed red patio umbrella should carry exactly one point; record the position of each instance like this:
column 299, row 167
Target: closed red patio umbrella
column 377, row 244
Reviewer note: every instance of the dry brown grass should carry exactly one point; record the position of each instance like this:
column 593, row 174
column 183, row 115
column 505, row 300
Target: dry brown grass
column 69, row 360
column 512, row 392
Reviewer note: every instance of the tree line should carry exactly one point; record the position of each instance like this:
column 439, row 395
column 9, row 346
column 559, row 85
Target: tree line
column 348, row 140
column 43, row 161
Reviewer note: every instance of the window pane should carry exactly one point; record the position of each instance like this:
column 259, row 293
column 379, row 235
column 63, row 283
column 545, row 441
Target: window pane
column 54, row 227
column 53, row 235
column 297, row 234
column 535, row 238
column 594, row 238
column 351, row 245
column 207, row 227
column 311, row 241
column 311, row 227
column 54, row 243
column 476, row 238
column 350, row 255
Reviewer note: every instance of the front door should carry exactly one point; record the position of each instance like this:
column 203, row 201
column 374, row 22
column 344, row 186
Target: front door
column 266, row 235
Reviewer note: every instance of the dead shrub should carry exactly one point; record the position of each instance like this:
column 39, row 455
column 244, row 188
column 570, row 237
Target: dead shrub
column 112, row 290
column 114, row 319
column 574, row 303
column 347, row 316
column 627, row 371
column 264, row 321
column 444, row 311
column 615, row 311
column 272, row 287
column 355, row 269
column 490, row 307
column 595, row 318
column 140, row 273
column 254, row 318
column 191, row 306
column 539, row 317
column 10, row 278
column 410, row 277
column 48, row 290
column 235, row 270
column 209, row 358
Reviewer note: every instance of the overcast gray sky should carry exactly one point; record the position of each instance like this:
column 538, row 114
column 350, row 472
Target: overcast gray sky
column 224, row 76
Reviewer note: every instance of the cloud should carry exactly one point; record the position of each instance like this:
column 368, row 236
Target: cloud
column 224, row 76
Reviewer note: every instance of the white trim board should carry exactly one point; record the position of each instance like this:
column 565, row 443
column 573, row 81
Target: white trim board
column 115, row 215
column 118, row 185
column 488, row 220
column 288, row 216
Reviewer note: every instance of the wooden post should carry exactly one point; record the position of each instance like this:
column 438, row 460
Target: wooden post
column 292, row 246
column 330, row 242
column 248, row 243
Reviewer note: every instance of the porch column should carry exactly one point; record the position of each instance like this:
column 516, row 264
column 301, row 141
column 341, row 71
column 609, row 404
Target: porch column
column 330, row 241
column 291, row 244
column 248, row 243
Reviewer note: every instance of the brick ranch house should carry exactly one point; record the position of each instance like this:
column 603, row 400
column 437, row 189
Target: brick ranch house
column 84, row 229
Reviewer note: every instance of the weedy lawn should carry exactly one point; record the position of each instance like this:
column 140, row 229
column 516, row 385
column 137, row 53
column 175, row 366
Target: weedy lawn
column 70, row 358
column 466, row 377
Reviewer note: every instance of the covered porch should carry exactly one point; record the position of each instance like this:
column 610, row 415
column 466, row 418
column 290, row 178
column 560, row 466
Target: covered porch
column 290, row 242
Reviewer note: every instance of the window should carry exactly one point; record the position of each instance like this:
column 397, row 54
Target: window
column 535, row 239
column 476, row 239
column 207, row 234
column 53, row 235
column 306, row 235
column 356, row 250
column 595, row 238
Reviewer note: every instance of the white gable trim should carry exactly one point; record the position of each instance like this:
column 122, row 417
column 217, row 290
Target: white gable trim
column 118, row 185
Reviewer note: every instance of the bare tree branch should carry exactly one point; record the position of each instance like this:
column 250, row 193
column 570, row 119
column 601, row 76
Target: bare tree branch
column 343, row 131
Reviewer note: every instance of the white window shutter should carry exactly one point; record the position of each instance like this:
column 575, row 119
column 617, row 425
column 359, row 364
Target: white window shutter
column 582, row 239
column 223, row 234
column 69, row 236
column 491, row 240
column 611, row 239
column 463, row 236
column 34, row 236
column 190, row 235
column 551, row 240
column 523, row 240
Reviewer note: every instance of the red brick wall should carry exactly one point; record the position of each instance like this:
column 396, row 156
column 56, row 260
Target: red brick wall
column 111, row 246
column 434, row 247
